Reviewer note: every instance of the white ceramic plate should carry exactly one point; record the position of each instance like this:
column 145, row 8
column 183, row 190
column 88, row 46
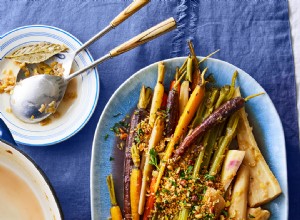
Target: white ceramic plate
column 81, row 109
column 263, row 117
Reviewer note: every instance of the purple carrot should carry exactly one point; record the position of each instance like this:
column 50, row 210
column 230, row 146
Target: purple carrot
column 137, row 116
column 218, row 116
column 172, row 112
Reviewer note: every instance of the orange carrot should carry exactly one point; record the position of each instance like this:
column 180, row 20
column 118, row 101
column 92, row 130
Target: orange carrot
column 164, row 101
column 151, row 200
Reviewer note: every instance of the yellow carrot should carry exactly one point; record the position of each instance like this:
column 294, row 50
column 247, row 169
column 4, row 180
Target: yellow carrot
column 182, row 126
column 157, row 94
column 115, row 210
column 135, row 188
column 183, row 96
column 156, row 135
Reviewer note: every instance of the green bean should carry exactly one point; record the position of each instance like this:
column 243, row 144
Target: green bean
column 189, row 69
column 220, row 153
column 232, row 86
column 212, row 142
column 211, row 101
column 199, row 160
column 182, row 69
column 223, row 96
column 216, row 132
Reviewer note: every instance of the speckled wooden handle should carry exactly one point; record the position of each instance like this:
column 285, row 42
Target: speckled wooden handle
column 130, row 10
column 144, row 37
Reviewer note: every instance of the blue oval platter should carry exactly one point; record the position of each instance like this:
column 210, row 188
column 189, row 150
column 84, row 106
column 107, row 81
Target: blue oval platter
column 263, row 118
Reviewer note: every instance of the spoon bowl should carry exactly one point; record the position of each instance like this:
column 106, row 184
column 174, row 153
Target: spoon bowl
column 37, row 97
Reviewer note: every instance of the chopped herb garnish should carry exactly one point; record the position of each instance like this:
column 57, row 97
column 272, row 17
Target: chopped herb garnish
column 251, row 216
column 118, row 114
column 106, row 136
column 225, row 213
column 153, row 158
column 111, row 158
column 209, row 216
column 137, row 139
column 209, row 177
column 190, row 169
column 200, row 197
column 165, row 191
column 181, row 174
column 173, row 183
column 124, row 123
column 140, row 131
column 115, row 128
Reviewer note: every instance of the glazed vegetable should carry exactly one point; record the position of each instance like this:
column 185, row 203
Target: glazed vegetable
column 182, row 126
column 135, row 182
column 156, row 135
column 115, row 210
column 172, row 112
column 220, row 153
column 238, row 204
column 151, row 200
column 184, row 214
column 135, row 187
column 174, row 82
column 196, row 74
column 263, row 185
column 183, row 96
column 189, row 69
column 158, row 94
column 145, row 97
column 213, row 196
column 163, row 105
column 138, row 115
column 257, row 214
column 232, row 162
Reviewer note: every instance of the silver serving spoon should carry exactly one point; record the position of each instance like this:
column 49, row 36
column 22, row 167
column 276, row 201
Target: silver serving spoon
column 35, row 98
column 68, row 57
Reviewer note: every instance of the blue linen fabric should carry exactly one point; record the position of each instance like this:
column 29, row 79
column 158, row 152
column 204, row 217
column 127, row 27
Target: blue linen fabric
column 253, row 35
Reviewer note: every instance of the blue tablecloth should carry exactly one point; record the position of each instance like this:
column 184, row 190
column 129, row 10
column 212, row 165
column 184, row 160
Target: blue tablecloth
column 253, row 35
